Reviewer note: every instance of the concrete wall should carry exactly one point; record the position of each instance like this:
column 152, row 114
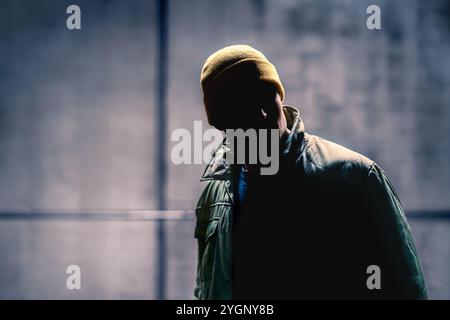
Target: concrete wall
column 78, row 131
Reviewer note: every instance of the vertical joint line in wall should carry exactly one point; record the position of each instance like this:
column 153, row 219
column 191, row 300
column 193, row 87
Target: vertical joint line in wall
column 161, row 125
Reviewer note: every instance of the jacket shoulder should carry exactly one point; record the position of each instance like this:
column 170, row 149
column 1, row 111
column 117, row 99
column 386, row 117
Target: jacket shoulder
column 334, row 160
column 326, row 153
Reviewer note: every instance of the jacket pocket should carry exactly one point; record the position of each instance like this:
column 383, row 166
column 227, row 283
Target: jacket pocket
column 208, row 257
column 211, row 230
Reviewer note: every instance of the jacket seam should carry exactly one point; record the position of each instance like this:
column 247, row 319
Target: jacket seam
column 214, row 205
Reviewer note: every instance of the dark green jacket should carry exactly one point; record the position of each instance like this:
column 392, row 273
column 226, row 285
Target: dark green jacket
column 338, row 215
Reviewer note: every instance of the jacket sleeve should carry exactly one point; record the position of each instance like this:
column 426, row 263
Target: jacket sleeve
column 401, row 272
column 199, row 235
column 196, row 294
column 201, row 222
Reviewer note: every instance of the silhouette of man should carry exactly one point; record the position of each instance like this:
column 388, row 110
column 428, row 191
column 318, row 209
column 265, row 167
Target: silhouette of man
column 317, row 227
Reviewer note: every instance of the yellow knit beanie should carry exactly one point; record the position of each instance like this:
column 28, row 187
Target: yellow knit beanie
column 226, row 65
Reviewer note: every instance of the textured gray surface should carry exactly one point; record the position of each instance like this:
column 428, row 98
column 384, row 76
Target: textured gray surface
column 433, row 244
column 76, row 108
column 77, row 123
column 383, row 93
column 117, row 259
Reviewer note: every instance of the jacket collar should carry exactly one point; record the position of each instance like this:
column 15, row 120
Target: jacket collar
column 219, row 169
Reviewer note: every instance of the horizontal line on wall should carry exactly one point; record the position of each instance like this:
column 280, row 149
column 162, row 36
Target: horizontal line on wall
column 114, row 215
column 428, row 214
column 153, row 215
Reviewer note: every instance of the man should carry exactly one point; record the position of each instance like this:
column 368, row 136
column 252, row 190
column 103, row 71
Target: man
column 328, row 224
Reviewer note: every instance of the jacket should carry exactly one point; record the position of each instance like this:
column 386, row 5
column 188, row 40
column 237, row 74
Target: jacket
column 313, row 230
